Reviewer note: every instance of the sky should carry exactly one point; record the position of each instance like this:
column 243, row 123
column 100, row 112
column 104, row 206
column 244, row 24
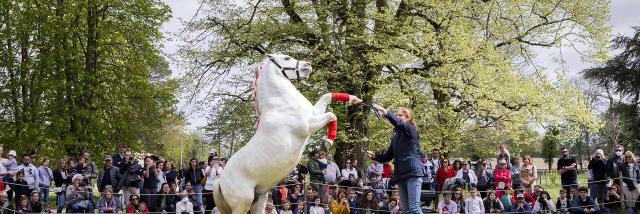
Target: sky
column 623, row 15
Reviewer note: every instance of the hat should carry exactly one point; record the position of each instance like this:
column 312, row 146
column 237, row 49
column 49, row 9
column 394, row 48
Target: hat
column 502, row 161
column 213, row 151
column 520, row 195
column 77, row 176
column 108, row 157
column 13, row 152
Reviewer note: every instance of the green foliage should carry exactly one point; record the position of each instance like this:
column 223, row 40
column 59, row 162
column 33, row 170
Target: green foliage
column 550, row 145
column 620, row 77
column 456, row 64
column 78, row 75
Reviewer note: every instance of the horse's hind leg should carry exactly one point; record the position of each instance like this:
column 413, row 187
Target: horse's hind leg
column 239, row 198
column 259, row 204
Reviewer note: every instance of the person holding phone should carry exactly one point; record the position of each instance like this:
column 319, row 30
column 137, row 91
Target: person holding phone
column 405, row 151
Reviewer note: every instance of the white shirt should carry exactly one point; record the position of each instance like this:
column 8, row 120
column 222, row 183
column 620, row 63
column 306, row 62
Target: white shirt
column 316, row 210
column 184, row 206
column 346, row 172
column 474, row 206
column 212, row 174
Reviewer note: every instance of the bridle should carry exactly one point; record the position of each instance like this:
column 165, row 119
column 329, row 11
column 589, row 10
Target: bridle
column 283, row 69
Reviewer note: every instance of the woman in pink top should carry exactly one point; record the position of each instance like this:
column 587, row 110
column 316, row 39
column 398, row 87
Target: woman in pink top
column 502, row 177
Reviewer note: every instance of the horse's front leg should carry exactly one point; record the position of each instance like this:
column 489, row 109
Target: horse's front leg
column 316, row 122
column 326, row 99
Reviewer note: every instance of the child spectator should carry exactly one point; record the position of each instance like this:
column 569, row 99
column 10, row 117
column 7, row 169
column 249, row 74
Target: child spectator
column 563, row 203
column 492, row 204
column 447, row 206
column 474, row 204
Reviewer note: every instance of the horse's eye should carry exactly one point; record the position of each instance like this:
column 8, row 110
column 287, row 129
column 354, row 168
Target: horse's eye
column 287, row 58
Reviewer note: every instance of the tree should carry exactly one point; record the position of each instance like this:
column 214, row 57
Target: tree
column 550, row 144
column 454, row 63
column 620, row 77
column 82, row 75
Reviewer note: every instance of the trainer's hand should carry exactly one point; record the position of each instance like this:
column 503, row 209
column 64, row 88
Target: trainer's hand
column 380, row 108
column 370, row 153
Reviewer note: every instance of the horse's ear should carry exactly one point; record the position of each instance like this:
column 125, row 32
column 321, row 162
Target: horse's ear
column 269, row 55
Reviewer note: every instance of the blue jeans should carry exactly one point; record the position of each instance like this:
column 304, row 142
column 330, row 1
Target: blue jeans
column 410, row 195
column 62, row 199
column 198, row 189
column 44, row 194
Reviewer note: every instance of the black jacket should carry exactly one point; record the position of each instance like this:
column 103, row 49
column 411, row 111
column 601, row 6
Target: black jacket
column 59, row 181
column 170, row 201
column 624, row 169
column 114, row 175
column 194, row 176
column 599, row 170
column 131, row 176
column 315, row 173
column 404, row 150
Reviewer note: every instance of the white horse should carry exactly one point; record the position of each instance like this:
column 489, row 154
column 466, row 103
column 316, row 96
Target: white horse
column 286, row 120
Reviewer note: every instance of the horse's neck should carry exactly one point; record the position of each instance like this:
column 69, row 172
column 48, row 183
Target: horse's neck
column 276, row 91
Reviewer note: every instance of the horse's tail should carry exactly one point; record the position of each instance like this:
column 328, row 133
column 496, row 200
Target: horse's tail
column 218, row 197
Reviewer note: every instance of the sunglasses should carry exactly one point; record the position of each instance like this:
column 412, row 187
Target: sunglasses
column 134, row 199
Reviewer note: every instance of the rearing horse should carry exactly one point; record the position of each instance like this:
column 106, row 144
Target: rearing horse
column 286, row 120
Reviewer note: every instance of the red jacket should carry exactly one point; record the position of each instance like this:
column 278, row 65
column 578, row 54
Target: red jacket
column 132, row 208
column 502, row 175
column 443, row 174
column 387, row 171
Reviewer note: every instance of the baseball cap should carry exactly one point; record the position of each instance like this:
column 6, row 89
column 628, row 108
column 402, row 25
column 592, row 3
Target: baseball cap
column 520, row 195
column 502, row 161
column 13, row 152
column 108, row 157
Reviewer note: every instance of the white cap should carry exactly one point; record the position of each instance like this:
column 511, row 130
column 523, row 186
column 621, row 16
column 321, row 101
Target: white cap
column 77, row 176
column 13, row 152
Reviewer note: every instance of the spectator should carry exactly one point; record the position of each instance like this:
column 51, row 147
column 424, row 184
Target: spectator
column 457, row 165
column 503, row 154
column 88, row 169
column 492, row 203
column 630, row 181
column 150, row 181
column 528, row 174
column 107, row 203
column 61, row 180
column 520, row 206
column 598, row 168
column 378, row 189
column 317, row 207
column 34, row 202
column 213, row 172
column 358, row 170
column 352, row 197
column 434, row 164
column 120, row 159
column 30, row 173
column 485, row 178
column 340, row 205
column 6, row 206
column 194, row 175
column 134, row 201
column 394, row 206
column 567, row 169
column 563, row 204
column 383, row 206
column 474, row 204
column 333, row 171
column 184, row 206
column 515, row 173
column 20, row 187
column 447, row 206
column 506, row 199
column 445, row 172
column 544, row 204
column 170, row 172
column 614, row 162
column 296, row 197
column 23, row 204
column 164, row 201
column 109, row 175
column 46, row 176
column 279, row 193
column 160, row 178
column 268, row 209
column 143, row 208
column 349, row 170
column 427, row 179
column 459, row 199
column 299, row 209
column 387, row 173
column 193, row 197
column 613, row 202
column 502, row 177
column 131, row 179
column 316, row 175
column 286, row 208
column 78, row 196
column 583, row 204
column 467, row 175
column 367, row 204
column 375, row 170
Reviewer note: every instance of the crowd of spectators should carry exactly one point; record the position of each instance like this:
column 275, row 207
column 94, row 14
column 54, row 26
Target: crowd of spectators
column 153, row 184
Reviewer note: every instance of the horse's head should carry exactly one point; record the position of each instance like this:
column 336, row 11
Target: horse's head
column 289, row 67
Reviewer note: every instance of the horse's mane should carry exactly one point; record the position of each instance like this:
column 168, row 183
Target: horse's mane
column 255, row 93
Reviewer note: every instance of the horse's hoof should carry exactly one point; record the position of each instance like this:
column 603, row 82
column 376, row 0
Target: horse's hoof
column 327, row 144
